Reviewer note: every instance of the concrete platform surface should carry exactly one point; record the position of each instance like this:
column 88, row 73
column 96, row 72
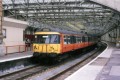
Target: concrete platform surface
column 15, row 56
column 104, row 67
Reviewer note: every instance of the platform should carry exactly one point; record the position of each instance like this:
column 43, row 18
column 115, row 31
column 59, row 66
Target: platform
column 15, row 56
column 104, row 67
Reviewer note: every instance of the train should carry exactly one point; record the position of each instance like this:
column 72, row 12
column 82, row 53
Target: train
column 50, row 43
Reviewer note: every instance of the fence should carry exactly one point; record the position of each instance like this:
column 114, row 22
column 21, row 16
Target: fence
column 17, row 48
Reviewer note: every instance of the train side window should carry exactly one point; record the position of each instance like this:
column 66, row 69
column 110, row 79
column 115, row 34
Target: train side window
column 86, row 39
column 65, row 39
column 69, row 39
column 90, row 39
column 83, row 39
column 78, row 40
column 74, row 39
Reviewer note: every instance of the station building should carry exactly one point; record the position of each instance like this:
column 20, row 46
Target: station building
column 13, row 33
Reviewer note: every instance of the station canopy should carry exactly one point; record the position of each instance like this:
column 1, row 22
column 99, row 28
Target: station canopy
column 72, row 15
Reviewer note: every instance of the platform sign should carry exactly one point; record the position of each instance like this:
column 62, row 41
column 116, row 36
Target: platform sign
column 1, row 36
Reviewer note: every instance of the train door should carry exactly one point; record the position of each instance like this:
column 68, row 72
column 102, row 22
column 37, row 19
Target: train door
column 67, row 43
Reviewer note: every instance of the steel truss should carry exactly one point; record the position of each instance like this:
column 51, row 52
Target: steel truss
column 74, row 15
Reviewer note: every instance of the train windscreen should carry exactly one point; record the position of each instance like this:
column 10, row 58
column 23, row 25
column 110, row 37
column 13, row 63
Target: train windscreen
column 47, row 39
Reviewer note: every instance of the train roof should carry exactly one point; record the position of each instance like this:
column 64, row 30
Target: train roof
column 60, row 31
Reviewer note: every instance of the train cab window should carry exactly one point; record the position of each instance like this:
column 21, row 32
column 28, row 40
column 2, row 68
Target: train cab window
column 55, row 39
column 48, row 39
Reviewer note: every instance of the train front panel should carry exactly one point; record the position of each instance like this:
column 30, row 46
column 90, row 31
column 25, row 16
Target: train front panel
column 47, row 43
column 46, row 48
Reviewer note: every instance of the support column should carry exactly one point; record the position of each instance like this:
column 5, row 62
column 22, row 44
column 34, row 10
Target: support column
column 2, row 47
column 1, row 36
column 119, row 31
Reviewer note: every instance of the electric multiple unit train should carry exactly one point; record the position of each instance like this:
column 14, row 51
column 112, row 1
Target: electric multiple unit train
column 49, row 43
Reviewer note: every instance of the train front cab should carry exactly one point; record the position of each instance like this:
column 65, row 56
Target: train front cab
column 47, row 44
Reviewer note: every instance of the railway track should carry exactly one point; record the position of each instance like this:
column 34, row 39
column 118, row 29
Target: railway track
column 70, row 70
column 54, row 72
column 49, row 72
column 18, row 75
